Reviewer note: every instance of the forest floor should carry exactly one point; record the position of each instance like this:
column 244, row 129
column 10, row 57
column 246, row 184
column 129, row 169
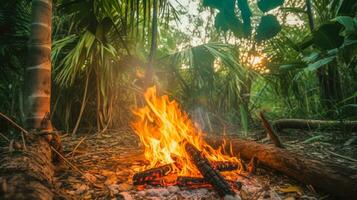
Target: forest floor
column 103, row 165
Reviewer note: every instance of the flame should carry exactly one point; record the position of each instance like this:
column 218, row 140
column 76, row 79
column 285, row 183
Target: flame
column 162, row 128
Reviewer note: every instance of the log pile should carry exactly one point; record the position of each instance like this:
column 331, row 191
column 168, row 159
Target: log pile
column 210, row 171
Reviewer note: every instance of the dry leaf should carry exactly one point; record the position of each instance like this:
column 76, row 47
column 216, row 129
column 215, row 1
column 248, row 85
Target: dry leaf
column 90, row 177
column 124, row 187
column 291, row 188
column 111, row 180
column 80, row 188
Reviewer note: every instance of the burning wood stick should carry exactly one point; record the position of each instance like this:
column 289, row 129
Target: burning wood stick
column 208, row 172
column 223, row 166
column 152, row 175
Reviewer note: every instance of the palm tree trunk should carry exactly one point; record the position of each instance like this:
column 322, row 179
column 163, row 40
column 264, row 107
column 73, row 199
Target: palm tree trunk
column 28, row 172
column 38, row 71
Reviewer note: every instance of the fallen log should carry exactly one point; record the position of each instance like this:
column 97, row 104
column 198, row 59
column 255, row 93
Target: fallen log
column 332, row 178
column 28, row 173
column 26, row 170
column 309, row 124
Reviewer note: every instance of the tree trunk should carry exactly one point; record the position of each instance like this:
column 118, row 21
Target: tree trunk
column 332, row 178
column 27, row 172
column 38, row 71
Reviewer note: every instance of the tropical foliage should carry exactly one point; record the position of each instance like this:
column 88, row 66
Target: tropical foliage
column 230, row 59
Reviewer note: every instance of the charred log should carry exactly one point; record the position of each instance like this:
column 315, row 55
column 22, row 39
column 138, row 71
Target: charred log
column 223, row 166
column 332, row 178
column 208, row 172
column 152, row 176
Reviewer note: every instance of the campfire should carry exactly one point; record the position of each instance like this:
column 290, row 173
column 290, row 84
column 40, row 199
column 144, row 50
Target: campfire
column 176, row 151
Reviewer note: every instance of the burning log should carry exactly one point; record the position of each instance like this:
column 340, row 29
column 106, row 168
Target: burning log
column 223, row 166
column 336, row 179
column 208, row 172
column 152, row 176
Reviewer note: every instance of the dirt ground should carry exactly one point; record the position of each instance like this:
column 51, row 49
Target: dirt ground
column 101, row 167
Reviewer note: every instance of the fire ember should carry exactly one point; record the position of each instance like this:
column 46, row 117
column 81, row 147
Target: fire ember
column 176, row 151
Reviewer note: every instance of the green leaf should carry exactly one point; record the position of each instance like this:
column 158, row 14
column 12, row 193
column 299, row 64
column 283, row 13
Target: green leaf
column 292, row 66
column 287, row 67
column 223, row 6
column 349, row 24
column 322, row 62
column 244, row 117
column 221, row 22
column 246, row 14
column 327, row 36
column 225, row 22
column 307, row 42
column 312, row 57
column 347, row 7
column 266, row 5
column 267, row 28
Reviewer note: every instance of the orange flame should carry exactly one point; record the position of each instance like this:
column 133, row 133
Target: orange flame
column 162, row 127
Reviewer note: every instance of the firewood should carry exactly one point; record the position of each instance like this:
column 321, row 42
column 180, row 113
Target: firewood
column 223, row 166
column 151, row 175
column 333, row 178
column 206, row 169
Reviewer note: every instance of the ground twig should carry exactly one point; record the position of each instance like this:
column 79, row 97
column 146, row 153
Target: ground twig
column 272, row 135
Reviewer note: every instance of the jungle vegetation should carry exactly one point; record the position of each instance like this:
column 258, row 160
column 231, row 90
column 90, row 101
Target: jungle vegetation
column 224, row 62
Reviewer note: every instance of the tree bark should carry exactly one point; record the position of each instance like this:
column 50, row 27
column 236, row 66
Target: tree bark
column 309, row 124
column 27, row 173
column 38, row 71
column 332, row 178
